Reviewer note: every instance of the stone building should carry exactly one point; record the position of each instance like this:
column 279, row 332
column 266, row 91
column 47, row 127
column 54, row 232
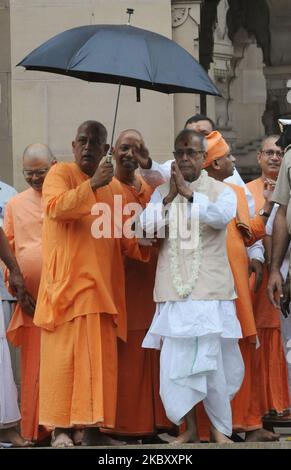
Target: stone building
column 243, row 44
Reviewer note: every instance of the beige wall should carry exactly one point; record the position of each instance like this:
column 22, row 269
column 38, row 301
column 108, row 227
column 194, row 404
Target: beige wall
column 48, row 108
column 6, row 173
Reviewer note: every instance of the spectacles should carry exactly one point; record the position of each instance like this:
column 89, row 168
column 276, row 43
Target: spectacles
column 39, row 173
column 271, row 153
column 126, row 148
column 189, row 152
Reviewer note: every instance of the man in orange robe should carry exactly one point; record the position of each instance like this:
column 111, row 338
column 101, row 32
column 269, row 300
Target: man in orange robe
column 23, row 228
column 241, row 232
column 81, row 302
column 139, row 408
column 270, row 377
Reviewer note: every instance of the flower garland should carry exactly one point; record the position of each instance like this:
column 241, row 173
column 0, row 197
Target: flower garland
column 183, row 288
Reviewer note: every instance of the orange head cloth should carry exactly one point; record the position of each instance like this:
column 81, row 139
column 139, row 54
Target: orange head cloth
column 217, row 147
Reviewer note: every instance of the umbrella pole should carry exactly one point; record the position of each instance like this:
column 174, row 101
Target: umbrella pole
column 109, row 153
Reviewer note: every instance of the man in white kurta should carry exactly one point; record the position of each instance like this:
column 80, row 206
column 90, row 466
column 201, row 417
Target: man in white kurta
column 195, row 323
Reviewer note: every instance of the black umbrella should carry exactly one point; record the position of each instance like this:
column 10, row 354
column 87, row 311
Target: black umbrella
column 124, row 55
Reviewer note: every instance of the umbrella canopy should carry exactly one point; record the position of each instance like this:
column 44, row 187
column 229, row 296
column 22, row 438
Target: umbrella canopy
column 121, row 54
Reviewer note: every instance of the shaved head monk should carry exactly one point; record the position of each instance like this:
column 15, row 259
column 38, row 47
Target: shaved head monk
column 81, row 302
column 140, row 412
column 23, row 227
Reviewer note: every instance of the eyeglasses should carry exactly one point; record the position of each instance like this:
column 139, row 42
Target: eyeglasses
column 271, row 153
column 189, row 152
column 39, row 173
column 126, row 148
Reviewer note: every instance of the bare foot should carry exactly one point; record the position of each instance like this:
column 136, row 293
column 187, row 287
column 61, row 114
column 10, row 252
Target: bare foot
column 218, row 437
column 187, row 436
column 12, row 436
column 61, row 438
column 261, row 435
column 93, row 437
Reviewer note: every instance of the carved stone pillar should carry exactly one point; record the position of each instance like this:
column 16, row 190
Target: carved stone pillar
column 278, row 83
column 278, row 72
column 222, row 73
column 185, row 28
column 216, row 55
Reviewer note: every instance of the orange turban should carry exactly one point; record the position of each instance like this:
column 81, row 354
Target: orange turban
column 217, row 147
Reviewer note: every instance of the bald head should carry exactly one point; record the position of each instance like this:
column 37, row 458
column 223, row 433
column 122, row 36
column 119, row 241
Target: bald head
column 90, row 146
column 131, row 132
column 38, row 151
column 95, row 127
column 37, row 160
column 129, row 143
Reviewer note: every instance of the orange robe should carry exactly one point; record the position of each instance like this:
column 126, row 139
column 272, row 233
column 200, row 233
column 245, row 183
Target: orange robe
column 81, row 302
column 23, row 228
column 139, row 407
column 241, row 232
column 270, row 377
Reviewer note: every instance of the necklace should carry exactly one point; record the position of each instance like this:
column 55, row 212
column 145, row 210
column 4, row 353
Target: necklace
column 182, row 287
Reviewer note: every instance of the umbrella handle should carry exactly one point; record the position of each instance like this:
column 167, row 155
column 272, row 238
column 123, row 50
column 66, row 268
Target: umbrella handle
column 114, row 123
column 108, row 158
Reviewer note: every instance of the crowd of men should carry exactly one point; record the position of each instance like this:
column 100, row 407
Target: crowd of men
column 165, row 327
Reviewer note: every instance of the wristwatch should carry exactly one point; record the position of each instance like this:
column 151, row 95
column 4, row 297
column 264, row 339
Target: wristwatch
column 263, row 213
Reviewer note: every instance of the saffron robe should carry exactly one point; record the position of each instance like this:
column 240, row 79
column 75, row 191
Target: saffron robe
column 23, row 228
column 139, row 408
column 242, row 231
column 81, row 302
column 270, row 376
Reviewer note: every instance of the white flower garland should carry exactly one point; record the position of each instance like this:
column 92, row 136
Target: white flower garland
column 183, row 288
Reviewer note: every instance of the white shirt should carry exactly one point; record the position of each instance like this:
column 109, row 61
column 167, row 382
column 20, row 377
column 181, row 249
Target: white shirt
column 257, row 251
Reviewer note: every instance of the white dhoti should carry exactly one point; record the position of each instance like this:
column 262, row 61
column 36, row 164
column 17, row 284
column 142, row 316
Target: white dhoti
column 200, row 358
column 9, row 411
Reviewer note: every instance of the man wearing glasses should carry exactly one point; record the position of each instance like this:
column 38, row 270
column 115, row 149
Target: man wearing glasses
column 194, row 291
column 23, row 227
column 270, row 378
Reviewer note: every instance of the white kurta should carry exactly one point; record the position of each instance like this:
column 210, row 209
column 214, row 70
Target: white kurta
column 200, row 357
column 9, row 411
